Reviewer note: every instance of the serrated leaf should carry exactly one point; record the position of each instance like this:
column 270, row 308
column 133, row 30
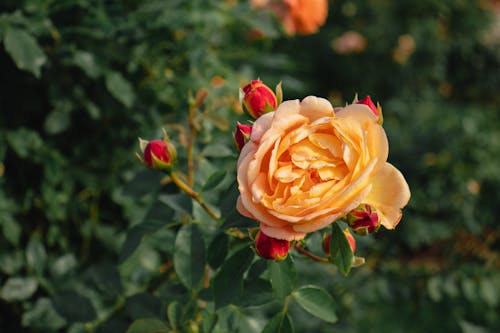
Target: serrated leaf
column 181, row 202
column 189, row 255
column 148, row 325
column 228, row 283
column 18, row 289
column 120, row 88
column 74, row 307
column 215, row 179
column 341, row 252
column 317, row 302
column 24, row 50
column 282, row 275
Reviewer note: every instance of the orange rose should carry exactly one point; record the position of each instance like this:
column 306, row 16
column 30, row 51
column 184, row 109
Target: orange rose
column 298, row 16
column 307, row 165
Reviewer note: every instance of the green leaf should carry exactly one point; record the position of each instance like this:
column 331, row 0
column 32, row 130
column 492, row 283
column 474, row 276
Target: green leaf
column 215, row 179
column 74, row 307
column 18, row 289
column 317, row 302
column 24, row 141
column 280, row 323
column 256, row 292
column 228, row 283
column 148, row 325
column 217, row 150
column 181, row 202
column 86, row 61
column 36, row 257
column 120, row 88
column 24, row 50
column 208, row 321
column 217, row 250
column 11, row 230
column 189, row 255
column 43, row 317
column 143, row 305
column 174, row 312
column 57, row 122
column 282, row 275
column 341, row 252
column 64, row 265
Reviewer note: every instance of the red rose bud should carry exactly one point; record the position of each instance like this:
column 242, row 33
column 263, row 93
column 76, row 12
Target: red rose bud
column 271, row 248
column 158, row 154
column 363, row 220
column 377, row 110
column 257, row 99
column 241, row 135
column 328, row 237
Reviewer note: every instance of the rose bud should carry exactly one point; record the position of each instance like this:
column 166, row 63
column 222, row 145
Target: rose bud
column 257, row 99
column 158, row 154
column 271, row 248
column 328, row 237
column 363, row 220
column 241, row 135
column 377, row 110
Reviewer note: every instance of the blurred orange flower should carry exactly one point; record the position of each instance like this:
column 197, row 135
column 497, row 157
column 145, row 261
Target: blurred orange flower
column 298, row 16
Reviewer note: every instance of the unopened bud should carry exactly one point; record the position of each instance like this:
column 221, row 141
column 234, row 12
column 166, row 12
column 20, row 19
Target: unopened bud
column 158, row 154
column 363, row 220
column 328, row 238
column 271, row 248
column 257, row 99
column 241, row 135
column 377, row 110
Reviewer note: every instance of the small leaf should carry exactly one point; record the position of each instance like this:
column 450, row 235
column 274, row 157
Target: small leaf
column 57, row 122
column 86, row 61
column 120, row 88
column 217, row 150
column 189, row 255
column 228, row 283
column 43, row 317
column 214, row 180
column 24, row 50
column 74, row 307
column 181, row 202
column 36, row 257
column 317, row 302
column 149, row 325
column 282, row 275
column 18, row 289
column 341, row 252
column 174, row 312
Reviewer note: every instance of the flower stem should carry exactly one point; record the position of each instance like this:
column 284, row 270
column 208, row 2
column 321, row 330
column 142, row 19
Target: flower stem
column 191, row 140
column 195, row 195
column 310, row 255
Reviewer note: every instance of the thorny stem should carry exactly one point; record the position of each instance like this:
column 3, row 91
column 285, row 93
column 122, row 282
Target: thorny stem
column 191, row 140
column 195, row 195
column 310, row 255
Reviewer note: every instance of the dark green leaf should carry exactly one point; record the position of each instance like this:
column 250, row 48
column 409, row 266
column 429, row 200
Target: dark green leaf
column 24, row 50
column 216, row 150
column 42, row 316
column 18, row 289
column 74, row 307
column 189, row 256
column 24, row 141
column 208, row 321
column 120, row 88
column 36, row 257
column 282, row 275
column 317, row 302
column 256, row 292
column 181, row 202
column 217, row 250
column 341, row 252
column 63, row 265
column 86, row 61
column 143, row 305
column 106, row 278
column 57, row 122
column 214, row 180
column 228, row 283
column 280, row 323
column 149, row 325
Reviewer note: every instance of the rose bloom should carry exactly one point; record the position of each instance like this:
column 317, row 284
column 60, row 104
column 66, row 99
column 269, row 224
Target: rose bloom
column 298, row 16
column 307, row 165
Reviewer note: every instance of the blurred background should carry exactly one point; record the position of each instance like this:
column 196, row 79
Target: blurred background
column 82, row 79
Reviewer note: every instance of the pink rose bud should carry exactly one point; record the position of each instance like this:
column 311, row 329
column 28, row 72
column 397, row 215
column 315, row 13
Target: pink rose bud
column 158, row 154
column 271, row 248
column 363, row 220
column 241, row 135
column 327, row 239
column 377, row 110
column 257, row 99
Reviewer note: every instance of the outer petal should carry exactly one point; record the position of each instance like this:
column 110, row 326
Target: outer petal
column 285, row 232
column 389, row 194
column 314, row 108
